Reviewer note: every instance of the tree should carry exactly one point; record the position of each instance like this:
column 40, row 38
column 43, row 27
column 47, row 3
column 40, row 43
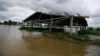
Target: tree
column 5, row 22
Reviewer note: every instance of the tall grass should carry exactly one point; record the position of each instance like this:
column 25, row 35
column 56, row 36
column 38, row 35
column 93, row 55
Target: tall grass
column 83, row 38
column 93, row 31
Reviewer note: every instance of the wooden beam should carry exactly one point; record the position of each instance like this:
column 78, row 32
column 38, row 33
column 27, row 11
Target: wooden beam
column 66, row 14
column 61, row 19
column 82, row 16
column 48, row 19
column 56, row 20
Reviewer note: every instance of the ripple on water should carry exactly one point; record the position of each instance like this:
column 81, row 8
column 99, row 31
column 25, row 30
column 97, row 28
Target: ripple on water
column 93, row 50
column 14, row 42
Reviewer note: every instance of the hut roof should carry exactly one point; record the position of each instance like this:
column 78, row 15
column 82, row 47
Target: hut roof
column 58, row 19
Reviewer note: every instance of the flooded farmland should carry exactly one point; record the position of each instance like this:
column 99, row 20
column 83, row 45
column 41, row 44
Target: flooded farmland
column 14, row 42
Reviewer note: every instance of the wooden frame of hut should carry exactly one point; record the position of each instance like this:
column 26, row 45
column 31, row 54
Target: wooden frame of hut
column 53, row 21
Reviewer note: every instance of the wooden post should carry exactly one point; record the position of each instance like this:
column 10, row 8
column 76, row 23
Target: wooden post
column 35, row 24
column 51, row 24
column 40, row 24
column 85, row 27
column 71, row 25
column 80, row 27
column 77, row 27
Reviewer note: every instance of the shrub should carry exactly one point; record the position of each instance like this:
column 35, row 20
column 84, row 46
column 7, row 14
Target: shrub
column 97, row 29
column 90, row 28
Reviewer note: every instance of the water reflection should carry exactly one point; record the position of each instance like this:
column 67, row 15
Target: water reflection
column 51, row 47
column 93, row 50
column 32, row 34
column 14, row 42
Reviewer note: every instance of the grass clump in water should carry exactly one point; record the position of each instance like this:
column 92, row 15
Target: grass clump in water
column 83, row 38
column 96, row 42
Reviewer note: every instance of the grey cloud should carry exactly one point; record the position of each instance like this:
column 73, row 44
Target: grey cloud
column 96, row 13
column 50, row 6
column 61, row 1
column 95, row 22
column 5, row 16
column 61, row 6
column 2, row 6
column 2, row 17
column 54, row 6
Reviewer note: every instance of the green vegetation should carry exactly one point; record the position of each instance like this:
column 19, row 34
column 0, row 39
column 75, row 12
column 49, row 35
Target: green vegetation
column 82, row 37
column 90, row 31
column 28, row 28
column 9, row 22
column 58, row 33
column 93, row 31
column 39, row 29
column 74, row 38
column 0, row 23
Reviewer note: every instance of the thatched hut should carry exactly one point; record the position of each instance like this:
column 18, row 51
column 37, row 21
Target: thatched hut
column 53, row 21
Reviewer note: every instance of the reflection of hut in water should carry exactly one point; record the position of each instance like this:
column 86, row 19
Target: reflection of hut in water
column 51, row 21
column 32, row 34
column 50, row 47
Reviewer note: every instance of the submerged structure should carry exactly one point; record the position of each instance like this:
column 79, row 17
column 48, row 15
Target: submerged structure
column 44, row 20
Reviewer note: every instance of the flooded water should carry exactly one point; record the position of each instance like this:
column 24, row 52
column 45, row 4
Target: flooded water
column 14, row 42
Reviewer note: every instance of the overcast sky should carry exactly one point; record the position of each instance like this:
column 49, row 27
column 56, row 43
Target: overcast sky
column 18, row 10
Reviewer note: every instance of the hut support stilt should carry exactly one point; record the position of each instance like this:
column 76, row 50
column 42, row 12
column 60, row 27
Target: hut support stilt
column 51, row 25
column 71, row 25
column 77, row 27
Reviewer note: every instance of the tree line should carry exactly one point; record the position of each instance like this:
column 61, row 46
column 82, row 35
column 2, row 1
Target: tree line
column 10, row 22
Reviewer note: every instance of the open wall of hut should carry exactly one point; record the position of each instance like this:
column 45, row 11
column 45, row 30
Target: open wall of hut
column 44, row 20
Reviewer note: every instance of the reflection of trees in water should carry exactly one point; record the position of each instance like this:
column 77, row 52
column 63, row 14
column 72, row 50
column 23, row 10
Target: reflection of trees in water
column 52, row 46
column 32, row 34
column 26, row 34
column 93, row 50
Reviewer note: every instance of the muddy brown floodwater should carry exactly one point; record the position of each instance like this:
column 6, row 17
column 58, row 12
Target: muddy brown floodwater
column 14, row 42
